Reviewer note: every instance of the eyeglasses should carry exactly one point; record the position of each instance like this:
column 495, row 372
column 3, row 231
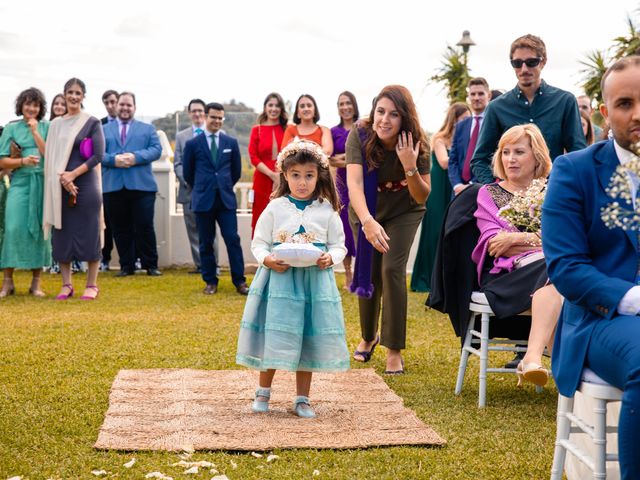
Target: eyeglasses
column 529, row 62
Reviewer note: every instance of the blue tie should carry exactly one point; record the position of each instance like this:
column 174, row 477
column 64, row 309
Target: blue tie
column 198, row 132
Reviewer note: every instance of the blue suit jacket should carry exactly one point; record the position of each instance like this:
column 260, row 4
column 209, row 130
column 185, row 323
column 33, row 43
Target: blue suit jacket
column 591, row 265
column 142, row 140
column 204, row 179
column 458, row 151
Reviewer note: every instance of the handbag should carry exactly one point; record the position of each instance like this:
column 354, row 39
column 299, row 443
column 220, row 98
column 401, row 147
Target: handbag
column 528, row 258
column 86, row 148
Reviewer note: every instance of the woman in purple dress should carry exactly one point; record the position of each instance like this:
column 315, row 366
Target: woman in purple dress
column 348, row 111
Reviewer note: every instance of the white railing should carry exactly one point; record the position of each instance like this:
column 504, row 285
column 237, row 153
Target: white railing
column 171, row 236
column 241, row 189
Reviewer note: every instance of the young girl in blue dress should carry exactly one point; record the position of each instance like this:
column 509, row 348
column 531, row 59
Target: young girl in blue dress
column 293, row 317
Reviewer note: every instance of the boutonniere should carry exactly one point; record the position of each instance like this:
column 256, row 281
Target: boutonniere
column 623, row 212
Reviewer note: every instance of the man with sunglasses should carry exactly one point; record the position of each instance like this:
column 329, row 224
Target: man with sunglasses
column 553, row 110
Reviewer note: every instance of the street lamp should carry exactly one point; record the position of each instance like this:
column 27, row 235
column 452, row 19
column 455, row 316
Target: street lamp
column 465, row 42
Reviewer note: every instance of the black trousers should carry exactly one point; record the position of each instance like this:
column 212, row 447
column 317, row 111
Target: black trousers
column 130, row 213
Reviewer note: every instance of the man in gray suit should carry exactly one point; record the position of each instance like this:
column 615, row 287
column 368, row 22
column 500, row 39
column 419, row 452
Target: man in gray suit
column 196, row 112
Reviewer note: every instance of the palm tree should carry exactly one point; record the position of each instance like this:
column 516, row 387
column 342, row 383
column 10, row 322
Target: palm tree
column 597, row 61
column 454, row 74
column 596, row 64
column 625, row 46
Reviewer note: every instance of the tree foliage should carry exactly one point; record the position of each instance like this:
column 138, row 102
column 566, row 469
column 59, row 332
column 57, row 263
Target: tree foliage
column 598, row 61
column 238, row 121
column 454, row 73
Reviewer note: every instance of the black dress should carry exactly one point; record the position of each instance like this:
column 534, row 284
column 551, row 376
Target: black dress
column 79, row 237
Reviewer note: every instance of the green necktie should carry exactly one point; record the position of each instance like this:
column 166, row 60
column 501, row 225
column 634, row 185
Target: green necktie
column 214, row 151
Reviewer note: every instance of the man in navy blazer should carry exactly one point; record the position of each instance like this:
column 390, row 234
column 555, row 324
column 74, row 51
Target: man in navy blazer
column 460, row 175
column 596, row 268
column 129, row 187
column 211, row 167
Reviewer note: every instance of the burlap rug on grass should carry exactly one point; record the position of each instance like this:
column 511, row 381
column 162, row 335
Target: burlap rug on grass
column 177, row 409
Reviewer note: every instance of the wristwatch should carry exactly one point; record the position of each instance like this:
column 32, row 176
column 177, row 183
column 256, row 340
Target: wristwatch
column 412, row 172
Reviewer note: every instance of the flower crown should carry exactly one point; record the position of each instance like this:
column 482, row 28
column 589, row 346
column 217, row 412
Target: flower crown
column 301, row 145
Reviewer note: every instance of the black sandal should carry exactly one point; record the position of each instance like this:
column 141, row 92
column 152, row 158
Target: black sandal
column 366, row 356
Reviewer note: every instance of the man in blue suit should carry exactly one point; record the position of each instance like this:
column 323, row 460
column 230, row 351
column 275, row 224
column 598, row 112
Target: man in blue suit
column 129, row 187
column 211, row 167
column 596, row 268
column 466, row 135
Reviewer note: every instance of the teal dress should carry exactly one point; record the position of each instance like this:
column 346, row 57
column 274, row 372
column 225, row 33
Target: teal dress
column 24, row 245
column 439, row 198
column 4, row 189
column 293, row 320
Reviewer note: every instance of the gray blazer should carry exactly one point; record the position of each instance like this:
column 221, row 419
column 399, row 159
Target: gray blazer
column 184, row 191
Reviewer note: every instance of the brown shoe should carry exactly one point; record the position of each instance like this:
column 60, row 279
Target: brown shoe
column 242, row 289
column 210, row 289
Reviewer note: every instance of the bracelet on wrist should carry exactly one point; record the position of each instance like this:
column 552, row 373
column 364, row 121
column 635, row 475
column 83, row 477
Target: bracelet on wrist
column 22, row 161
column 533, row 240
column 366, row 220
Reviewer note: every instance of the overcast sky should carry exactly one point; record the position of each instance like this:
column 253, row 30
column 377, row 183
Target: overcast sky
column 245, row 49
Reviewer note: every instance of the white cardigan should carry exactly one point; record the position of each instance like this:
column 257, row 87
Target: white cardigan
column 318, row 219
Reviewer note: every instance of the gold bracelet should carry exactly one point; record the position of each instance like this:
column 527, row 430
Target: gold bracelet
column 22, row 161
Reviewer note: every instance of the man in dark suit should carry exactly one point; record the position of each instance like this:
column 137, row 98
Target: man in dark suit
column 110, row 102
column 211, row 167
column 129, row 187
column 196, row 112
column 595, row 267
column 466, row 135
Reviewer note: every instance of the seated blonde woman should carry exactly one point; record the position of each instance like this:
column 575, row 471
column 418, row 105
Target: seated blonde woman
column 511, row 268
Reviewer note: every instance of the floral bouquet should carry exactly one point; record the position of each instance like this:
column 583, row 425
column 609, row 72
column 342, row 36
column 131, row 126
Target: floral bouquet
column 623, row 212
column 525, row 209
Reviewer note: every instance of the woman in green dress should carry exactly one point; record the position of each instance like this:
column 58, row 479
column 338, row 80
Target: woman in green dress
column 438, row 200
column 24, row 245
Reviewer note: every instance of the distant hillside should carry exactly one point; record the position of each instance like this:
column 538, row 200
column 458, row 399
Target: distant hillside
column 238, row 120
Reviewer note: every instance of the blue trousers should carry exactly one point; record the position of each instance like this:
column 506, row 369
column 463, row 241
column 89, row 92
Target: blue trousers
column 227, row 220
column 614, row 354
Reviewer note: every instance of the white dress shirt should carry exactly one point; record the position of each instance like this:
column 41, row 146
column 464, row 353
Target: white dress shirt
column 630, row 303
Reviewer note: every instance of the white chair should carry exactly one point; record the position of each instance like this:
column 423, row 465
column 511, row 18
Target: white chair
column 601, row 393
column 480, row 306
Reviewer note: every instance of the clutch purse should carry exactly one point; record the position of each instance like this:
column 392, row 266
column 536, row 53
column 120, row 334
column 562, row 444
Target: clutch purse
column 86, row 148
column 528, row 259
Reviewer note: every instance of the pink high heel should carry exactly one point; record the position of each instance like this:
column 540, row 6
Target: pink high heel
column 88, row 297
column 66, row 296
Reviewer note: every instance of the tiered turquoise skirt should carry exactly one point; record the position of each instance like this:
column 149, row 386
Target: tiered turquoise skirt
column 293, row 321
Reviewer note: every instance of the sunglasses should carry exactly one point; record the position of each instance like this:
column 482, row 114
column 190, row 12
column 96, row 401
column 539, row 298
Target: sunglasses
column 529, row 62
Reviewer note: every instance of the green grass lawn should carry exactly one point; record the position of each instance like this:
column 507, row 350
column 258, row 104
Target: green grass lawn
column 58, row 360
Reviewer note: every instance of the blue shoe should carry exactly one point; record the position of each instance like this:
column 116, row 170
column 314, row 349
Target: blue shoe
column 260, row 406
column 302, row 407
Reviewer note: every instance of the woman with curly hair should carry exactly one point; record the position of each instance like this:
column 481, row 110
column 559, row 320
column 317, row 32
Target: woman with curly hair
column 24, row 245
